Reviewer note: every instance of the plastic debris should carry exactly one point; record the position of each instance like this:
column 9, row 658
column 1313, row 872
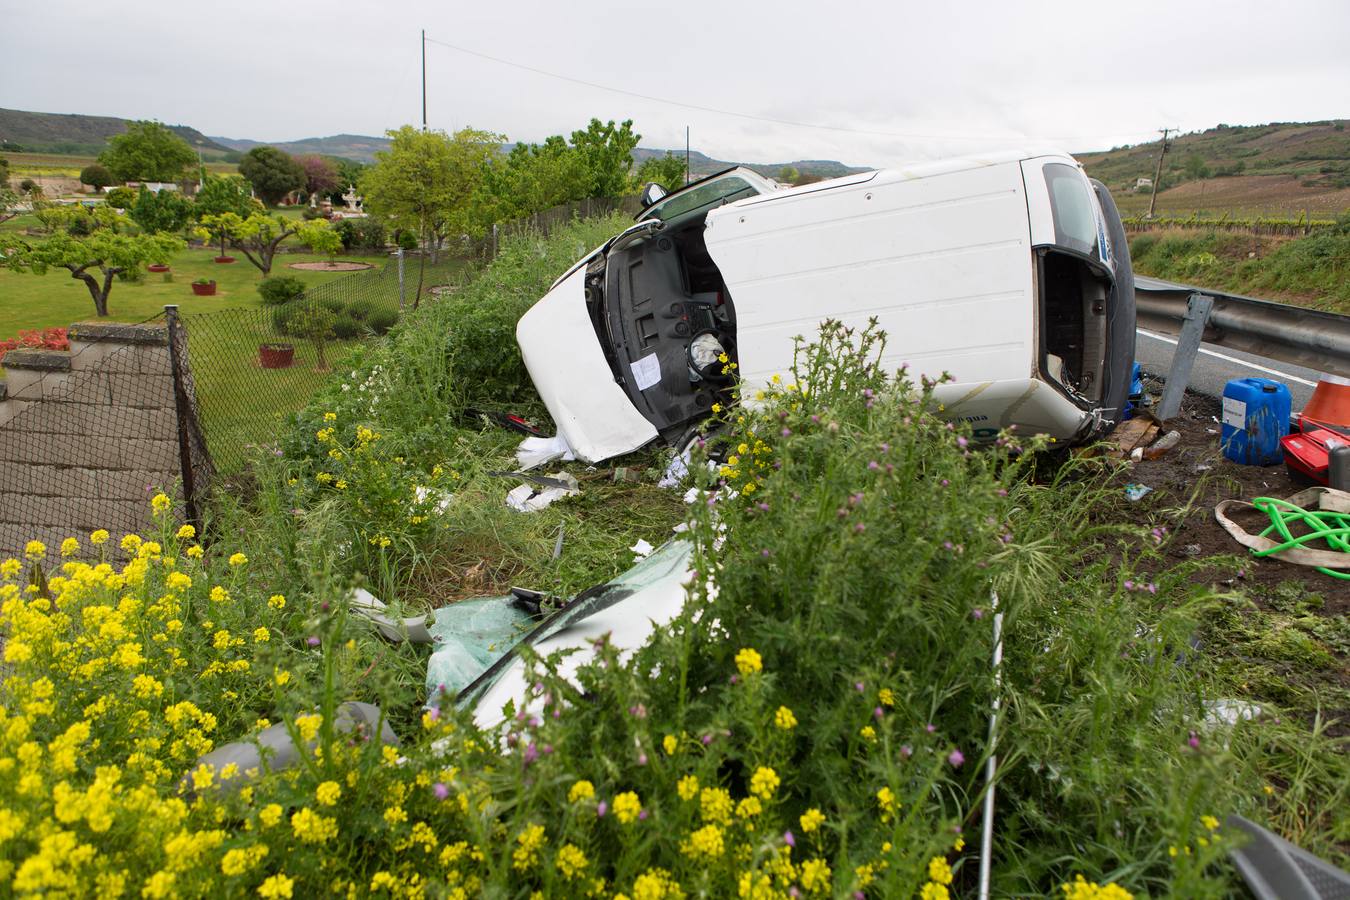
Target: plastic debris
column 272, row 748
column 1162, row 445
column 676, row 471
column 1321, row 515
column 1137, row 491
column 1229, row 712
column 412, row 629
column 623, row 473
column 642, row 549
column 533, row 497
column 536, row 451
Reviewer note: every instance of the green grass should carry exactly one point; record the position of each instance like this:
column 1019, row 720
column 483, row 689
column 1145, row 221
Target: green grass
column 57, row 300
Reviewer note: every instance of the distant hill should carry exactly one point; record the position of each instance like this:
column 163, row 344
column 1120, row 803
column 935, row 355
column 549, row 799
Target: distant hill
column 702, row 164
column 357, row 147
column 1278, row 169
column 75, row 134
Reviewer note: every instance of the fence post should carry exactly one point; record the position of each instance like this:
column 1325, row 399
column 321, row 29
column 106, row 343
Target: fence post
column 1183, row 358
column 181, row 414
column 400, row 280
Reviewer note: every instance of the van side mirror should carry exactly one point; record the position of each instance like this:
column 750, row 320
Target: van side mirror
column 651, row 193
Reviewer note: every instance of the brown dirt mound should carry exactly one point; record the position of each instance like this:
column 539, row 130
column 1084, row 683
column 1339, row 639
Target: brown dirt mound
column 330, row 266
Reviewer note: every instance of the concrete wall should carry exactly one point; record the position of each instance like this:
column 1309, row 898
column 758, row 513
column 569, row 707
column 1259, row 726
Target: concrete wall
column 87, row 436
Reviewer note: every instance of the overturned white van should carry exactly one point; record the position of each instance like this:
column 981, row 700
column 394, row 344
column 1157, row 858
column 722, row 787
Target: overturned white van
column 1010, row 272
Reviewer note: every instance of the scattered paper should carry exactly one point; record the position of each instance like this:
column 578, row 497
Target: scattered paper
column 536, row 451
column 642, row 549
column 646, row 371
column 532, row 497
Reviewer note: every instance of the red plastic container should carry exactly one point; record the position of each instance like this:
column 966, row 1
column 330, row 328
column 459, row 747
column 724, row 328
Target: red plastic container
column 1308, row 453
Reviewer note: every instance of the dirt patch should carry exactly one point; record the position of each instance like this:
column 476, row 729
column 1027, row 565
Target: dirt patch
column 330, row 266
column 1284, row 633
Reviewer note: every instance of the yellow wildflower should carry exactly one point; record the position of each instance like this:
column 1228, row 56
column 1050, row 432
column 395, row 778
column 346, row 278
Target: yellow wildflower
column 939, row 870
column 812, row 819
column 328, row 793
column 570, row 860
column 748, row 661
column 764, row 782
column 784, row 719
column 582, row 790
column 70, row 546
column 238, row 559
column 98, row 537
column 670, row 743
column 276, row 887
column 276, row 601
column 627, row 806
column 687, row 787
column 35, row 550
column 186, row 533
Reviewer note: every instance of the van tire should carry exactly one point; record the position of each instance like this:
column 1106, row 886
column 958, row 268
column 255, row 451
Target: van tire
column 1120, row 316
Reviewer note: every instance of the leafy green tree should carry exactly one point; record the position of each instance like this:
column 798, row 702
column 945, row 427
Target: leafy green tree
column 608, row 152
column 9, row 199
column 425, row 183
column 104, row 252
column 259, row 235
column 147, row 151
column 667, row 171
column 4, row 172
column 1196, row 167
column 272, row 172
column 96, row 176
column 219, row 195
column 314, row 321
column 789, row 174
column 531, row 178
column 120, row 198
column 160, row 211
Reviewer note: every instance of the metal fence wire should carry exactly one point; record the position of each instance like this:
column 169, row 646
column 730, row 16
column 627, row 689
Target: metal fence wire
column 87, row 437
column 254, row 366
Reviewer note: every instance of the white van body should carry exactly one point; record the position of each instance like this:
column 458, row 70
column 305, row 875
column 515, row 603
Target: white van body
column 1005, row 272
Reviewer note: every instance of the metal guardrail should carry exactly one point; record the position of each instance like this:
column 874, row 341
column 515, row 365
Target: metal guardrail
column 1304, row 337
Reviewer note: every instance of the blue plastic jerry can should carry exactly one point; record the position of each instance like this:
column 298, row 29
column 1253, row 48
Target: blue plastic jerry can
column 1255, row 417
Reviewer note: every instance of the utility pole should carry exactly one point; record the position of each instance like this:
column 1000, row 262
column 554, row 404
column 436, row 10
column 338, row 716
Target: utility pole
column 424, row 79
column 686, row 154
column 1157, row 174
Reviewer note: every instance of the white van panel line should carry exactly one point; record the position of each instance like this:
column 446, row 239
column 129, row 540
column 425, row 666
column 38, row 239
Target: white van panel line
column 881, row 261
column 954, row 302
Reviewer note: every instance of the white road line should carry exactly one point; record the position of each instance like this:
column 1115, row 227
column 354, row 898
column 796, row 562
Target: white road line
column 1232, row 359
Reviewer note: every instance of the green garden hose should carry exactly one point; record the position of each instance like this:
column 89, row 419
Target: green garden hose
column 1322, row 525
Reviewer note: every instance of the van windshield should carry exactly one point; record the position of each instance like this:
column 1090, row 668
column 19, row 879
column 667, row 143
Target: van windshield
column 1071, row 207
column 719, row 190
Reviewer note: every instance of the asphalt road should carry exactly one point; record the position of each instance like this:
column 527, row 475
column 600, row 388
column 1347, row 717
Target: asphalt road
column 1216, row 366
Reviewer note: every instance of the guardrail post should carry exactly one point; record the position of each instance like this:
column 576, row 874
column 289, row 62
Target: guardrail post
column 1192, row 330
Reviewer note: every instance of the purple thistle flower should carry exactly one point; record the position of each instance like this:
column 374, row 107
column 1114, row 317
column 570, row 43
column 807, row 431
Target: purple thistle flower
column 789, row 839
column 642, row 759
column 642, row 815
column 930, row 728
column 600, row 809
column 860, row 528
column 859, row 686
column 946, row 545
column 762, row 506
column 707, row 739
column 1194, row 741
column 531, row 753
column 815, row 419
column 945, row 482
column 867, row 392
column 873, row 465
column 961, row 442
column 878, row 713
column 312, row 640
column 956, row 758
column 885, row 447
column 977, row 613
column 440, row 790
column 766, row 553
column 786, row 432
column 906, row 751
column 548, row 748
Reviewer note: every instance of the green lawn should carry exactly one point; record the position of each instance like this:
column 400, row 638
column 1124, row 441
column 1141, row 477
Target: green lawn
column 56, row 299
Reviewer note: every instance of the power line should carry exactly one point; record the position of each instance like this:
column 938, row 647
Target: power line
column 739, row 115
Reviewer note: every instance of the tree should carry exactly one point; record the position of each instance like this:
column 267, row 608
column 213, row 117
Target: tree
column 96, row 176
column 219, row 195
column 1196, row 167
column 272, row 172
column 667, row 171
column 608, row 152
column 8, row 201
column 259, row 235
column 103, row 251
column 314, row 321
column 425, row 183
column 147, row 151
column 160, row 211
column 4, row 172
column 789, row 174
column 321, row 176
column 120, row 198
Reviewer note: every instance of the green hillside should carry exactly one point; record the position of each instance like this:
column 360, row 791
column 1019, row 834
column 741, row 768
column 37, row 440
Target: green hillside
column 1283, row 168
column 37, row 132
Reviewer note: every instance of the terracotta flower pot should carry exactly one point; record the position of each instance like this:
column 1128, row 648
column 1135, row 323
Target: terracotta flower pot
column 157, row 267
column 224, row 259
column 204, row 290
column 276, row 356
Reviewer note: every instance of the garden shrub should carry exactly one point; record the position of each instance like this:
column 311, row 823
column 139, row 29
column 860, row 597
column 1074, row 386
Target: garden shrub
column 361, row 310
column 362, row 234
column 381, row 320
column 278, row 289
column 345, row 327
column 121, row 198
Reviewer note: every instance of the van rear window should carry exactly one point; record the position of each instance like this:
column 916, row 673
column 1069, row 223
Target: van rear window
column 1071, row 207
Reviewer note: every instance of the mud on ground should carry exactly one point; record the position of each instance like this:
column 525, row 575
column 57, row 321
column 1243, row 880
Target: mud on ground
column 1285, row 635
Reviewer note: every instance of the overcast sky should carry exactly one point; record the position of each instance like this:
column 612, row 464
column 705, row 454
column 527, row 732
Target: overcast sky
column 924, row 80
